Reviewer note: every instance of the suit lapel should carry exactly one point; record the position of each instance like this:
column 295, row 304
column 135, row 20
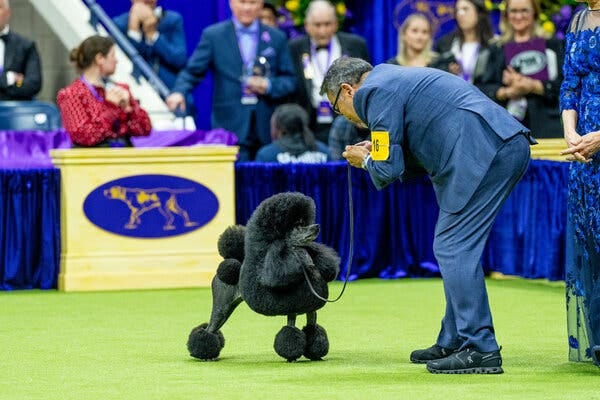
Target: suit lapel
column 234, row 39
column 9, row 52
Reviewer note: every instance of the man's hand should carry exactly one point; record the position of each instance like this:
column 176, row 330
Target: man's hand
column 176, row 102
column 356, row 154
column 257, row 84
column 139, row 14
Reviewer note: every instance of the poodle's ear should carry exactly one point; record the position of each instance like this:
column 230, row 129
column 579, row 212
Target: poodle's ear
column 283, row 266
column 231, row 242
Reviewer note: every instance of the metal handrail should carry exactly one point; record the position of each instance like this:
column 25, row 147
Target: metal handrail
column 99, row 15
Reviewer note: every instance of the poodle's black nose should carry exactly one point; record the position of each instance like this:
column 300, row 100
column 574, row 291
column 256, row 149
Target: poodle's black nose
column 303, row 235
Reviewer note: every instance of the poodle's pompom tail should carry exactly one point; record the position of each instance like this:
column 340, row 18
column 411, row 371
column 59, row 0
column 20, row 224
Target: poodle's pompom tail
column 203, row 344
column 231, row 243
column 229, row 271
column 290, row 343
column 317, row 343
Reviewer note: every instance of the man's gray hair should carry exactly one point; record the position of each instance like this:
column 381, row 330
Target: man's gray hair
column 319, row 5
column 344, row 70
column 6, row 4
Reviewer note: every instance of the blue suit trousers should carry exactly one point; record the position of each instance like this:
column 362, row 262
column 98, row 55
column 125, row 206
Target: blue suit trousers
column 458, row 245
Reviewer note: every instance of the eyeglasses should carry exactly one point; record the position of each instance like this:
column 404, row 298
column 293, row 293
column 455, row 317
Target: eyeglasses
column 334, row 106
column 522, row 11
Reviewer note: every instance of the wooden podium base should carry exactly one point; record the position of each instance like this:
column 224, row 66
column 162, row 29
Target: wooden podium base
column 106, row 246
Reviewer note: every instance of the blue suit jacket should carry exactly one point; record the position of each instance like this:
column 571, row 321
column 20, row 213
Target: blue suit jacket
column 438, row 124
column 218, row 51
column 168, row 54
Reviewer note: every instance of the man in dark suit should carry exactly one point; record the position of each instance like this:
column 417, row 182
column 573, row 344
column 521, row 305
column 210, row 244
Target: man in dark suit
column 252, row 73
column 21, row 76
column 313, row 54
column 424, row 120
column 157, row 34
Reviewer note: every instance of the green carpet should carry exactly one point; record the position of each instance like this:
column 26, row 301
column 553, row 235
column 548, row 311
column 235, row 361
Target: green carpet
column 131, row 345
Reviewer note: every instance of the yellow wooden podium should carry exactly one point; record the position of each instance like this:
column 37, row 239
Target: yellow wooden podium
column 103, row 188
column 549, row 149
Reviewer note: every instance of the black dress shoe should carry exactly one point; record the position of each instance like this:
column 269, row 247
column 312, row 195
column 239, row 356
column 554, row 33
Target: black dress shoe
column 434, row 352
column 468, row 361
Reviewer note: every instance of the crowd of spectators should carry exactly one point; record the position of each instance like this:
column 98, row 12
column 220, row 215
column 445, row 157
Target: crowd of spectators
column 256, row 69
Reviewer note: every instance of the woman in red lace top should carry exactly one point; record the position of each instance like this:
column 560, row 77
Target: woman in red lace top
column 96, row 112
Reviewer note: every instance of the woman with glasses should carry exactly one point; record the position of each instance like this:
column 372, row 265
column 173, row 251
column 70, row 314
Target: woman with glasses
column 580, row 105
column 530, row 70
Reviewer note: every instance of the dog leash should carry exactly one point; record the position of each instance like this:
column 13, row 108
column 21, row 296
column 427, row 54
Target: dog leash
column 351, row 212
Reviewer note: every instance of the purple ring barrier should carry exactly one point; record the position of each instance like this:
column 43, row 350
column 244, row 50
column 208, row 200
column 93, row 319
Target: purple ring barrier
column 31, row 149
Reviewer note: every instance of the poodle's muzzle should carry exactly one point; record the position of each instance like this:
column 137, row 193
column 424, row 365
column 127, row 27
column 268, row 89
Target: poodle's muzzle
column 303, row 235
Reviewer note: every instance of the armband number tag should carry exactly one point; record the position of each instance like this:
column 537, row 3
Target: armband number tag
column 380, row 150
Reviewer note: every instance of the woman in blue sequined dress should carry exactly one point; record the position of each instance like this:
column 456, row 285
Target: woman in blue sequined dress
column 580, row 105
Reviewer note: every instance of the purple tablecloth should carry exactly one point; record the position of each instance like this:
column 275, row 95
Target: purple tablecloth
column 31, row 149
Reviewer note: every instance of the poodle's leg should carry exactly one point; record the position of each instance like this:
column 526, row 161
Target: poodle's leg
column 206, row 341
column 290, row 341
column 317, row 344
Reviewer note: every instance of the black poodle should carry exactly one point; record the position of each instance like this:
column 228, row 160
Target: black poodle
column 270, row 264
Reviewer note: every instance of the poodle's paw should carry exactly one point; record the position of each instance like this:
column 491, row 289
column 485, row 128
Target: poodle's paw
column 290, row 343
column 203, row 344
column 317, row 344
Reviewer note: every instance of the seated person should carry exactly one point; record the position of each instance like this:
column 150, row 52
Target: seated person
column 95, row 111
column 344, row 133
column 415, row 42
column 293, row 141
column 20, row 70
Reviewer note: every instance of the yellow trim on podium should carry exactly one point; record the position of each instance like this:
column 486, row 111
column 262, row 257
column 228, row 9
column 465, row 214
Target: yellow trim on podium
column 548, row 149
column 96, row 259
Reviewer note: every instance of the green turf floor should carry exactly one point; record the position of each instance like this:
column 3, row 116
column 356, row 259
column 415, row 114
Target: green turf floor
column 131, row 345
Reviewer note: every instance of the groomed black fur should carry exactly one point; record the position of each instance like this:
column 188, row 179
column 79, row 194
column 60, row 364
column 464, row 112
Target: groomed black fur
column 266, row 264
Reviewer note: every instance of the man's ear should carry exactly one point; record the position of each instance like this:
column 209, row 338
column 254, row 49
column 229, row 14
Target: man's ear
column 348, row 89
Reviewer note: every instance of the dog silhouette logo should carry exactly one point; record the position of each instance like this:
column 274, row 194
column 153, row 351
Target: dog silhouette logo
column 140, row 201
column 151, row 206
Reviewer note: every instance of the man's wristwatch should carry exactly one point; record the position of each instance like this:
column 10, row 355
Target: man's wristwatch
column 365, row 160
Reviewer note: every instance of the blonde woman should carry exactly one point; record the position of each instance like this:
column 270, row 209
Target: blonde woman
column 415, row 42
column 531, row 69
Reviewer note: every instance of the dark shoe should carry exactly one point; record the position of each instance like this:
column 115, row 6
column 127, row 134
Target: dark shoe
column 596, row 355
column 434, row 352
column 468, row 361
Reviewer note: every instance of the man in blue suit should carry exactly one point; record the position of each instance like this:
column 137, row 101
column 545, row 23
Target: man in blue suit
column 424, row 120
column 252, row 71
column 157, row 34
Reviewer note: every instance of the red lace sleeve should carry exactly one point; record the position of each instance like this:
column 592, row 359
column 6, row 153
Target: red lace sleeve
column 136, row 122
column 87, row 120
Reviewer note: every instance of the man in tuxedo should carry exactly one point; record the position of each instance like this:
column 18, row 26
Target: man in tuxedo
column 313, row 53
column 424, row 120
column 20, row 69
column 252, row 72
column 158, row 35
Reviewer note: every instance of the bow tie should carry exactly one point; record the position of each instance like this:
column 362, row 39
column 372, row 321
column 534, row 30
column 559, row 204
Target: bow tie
column 324, row 47
column 4, row 37
column 250, row 30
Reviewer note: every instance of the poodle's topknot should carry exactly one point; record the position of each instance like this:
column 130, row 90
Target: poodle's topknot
column 279, row 214
column 231, row 242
